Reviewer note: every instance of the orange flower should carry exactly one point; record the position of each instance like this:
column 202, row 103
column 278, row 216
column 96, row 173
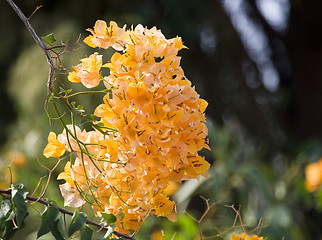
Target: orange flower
column 313, row 173
column 105, row 37
column 136, row 89
column 244, row 236
column 198, row 166
column 54, row 148
column 88, row 71
column 66, row 175
column 109, row 150
column 164, row 207
column 132, row 221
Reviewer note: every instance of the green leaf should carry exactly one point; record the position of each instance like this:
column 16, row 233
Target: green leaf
column 18, row 195
column 86, row 233
column 9, row 228
column 88, row 118
column 78, row 220
column 79, row 110
column 110, row 230
column 110, row 218
column 80, row 107
column 62, row 91
column 47, row 221
column 6, row 228
column 55, row 231
column 49, row 38
column 5, row 210
column 51, row 98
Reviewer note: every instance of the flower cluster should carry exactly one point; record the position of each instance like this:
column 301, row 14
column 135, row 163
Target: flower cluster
column 313, row 173
column 244, row 236
column 159, row 121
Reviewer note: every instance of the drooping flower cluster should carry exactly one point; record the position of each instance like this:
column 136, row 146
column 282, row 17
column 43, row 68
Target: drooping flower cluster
column 160, row 125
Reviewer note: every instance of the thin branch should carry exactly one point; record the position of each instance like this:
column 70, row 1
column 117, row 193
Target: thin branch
column 36, row 38
column 38, row 184
column 49, row 177
column 46, row 50
column 37, row 8
column 64, row 211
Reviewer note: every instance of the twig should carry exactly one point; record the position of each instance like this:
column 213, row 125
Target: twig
column 64, row 211
column 37, row 40
column 38, row 185
column 49, row 177
column 37, row 8
column 46, row 50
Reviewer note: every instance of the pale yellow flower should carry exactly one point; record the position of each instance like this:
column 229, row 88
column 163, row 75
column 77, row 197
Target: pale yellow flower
column 71, row 196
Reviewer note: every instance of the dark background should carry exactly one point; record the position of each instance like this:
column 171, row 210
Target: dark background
column 256, row 62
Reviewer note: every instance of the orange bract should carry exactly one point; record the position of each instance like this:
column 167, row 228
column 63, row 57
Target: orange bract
column 88, row 71
column 54, row 148
column 105, row 37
